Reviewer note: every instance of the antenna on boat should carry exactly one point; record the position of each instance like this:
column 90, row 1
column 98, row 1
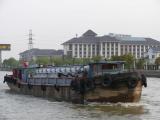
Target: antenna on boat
column 30, row 44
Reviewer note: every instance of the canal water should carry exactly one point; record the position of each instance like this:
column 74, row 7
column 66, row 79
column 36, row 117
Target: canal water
column 24, row 107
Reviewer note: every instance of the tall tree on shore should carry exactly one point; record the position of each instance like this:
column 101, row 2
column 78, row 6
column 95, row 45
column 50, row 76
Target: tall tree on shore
column 97, row 58
column 140, row 63
column 42, row 60
column 11, row 63
column 117, row 58
column 129, row 58
column 157, row 61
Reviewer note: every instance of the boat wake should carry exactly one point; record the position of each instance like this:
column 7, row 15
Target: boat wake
column 115, row 108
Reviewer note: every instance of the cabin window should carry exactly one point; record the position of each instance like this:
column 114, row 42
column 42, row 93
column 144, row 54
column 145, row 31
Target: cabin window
column 97, row 69
column 109, row 66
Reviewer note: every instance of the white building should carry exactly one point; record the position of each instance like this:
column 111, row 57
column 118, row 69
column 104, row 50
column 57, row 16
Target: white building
column 153, row 54
column 89, row 45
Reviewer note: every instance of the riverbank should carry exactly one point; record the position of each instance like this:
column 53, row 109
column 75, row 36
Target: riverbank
column 151, row 73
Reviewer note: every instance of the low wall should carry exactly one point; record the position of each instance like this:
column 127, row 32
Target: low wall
column 151, row 73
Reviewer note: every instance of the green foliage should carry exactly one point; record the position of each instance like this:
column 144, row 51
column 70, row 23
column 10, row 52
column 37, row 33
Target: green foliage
column 97, row 58
column 117, row 58
column 11, row 62
column 157, row 61
column 70, row 61
column 58, row 61
column 140, row 63
column 42, row 60
column 32, row 62
column 129, row 58
column 86, row 60
column 82, row 60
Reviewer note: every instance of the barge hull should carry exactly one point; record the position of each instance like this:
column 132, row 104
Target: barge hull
column 65, row 93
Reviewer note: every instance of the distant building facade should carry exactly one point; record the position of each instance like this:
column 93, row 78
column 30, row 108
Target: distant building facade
column 34, row 53
column 89, row 45
column 153, row 54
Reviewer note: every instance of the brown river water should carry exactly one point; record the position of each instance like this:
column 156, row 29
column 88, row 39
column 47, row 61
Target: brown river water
column 24, row 107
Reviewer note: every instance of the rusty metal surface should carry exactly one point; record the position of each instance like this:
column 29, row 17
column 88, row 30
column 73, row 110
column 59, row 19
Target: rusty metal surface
column 99, row 94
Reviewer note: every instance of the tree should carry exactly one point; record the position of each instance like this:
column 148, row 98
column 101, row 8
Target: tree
column 97, row 58
column 157, row 61
column 140, row 63
column 32, row 62
column 128, row 58
column 58, row 61
column 86, row 60
column 117, row 58
column 11, row 62
column 42, row 60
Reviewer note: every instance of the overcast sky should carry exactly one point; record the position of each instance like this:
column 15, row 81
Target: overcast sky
column 55, row 21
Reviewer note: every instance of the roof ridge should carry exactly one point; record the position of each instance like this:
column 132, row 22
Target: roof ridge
column 89, row 33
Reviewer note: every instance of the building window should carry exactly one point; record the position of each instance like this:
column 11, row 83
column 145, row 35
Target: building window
column 112, row 44
column 70, row 46
column 89, row 54
column 112, row 53
column 142, row 54
column 142, row 48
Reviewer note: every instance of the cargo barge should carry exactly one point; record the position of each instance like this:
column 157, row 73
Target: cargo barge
column 104, row 81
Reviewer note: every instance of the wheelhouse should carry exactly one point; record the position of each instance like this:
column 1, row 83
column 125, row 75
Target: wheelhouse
column 105, row 67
